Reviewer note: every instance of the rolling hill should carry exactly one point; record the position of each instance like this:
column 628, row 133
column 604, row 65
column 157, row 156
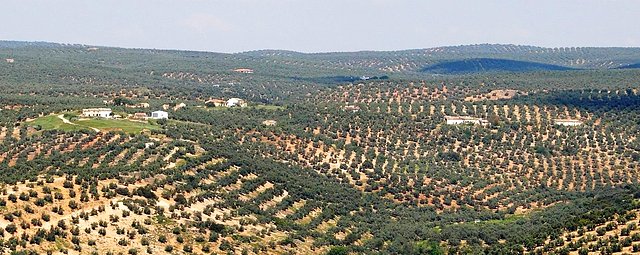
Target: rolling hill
column 322, row 160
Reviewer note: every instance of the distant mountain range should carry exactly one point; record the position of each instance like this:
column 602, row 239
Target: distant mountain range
column 452, row 60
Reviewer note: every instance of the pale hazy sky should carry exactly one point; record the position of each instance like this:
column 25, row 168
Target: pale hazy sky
column 321, row 25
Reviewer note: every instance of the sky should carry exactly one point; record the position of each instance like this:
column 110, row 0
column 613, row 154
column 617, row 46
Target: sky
column 321, row 25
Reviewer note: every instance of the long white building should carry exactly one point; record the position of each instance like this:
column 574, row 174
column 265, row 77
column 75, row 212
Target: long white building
column 97, row 112
column 457, row 120
column 567, row 122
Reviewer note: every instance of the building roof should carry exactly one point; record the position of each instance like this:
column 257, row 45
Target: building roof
column 270, row 122
column 566, row 120
column 234, row 100
column 461, row 118
column 216, row 100
column 97, row 109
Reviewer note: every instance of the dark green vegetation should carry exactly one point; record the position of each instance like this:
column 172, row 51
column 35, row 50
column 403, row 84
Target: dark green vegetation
column 393, row 178
column 637, row 65
column 477, row 65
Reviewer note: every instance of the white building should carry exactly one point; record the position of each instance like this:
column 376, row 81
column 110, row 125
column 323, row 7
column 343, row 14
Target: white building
column 352, row 108
column 10, row 60
column 457, row 120
column 96, row 112
column 139, row 105
column 270, row 123
column 179, row 106
column 159, row 115
column 243, row 70
column 567, row 122
column 232, row 102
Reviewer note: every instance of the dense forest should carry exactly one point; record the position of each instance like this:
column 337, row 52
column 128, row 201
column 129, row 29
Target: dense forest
column 334, row 153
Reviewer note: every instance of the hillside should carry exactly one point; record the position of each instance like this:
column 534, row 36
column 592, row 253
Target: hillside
column 333, row 153
column 408, row 61
column 365, row 63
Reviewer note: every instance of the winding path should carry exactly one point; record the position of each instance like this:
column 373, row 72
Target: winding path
column 66, row 121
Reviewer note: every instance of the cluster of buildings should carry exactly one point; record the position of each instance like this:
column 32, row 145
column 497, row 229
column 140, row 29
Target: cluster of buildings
column 459, row 120
column 231, row 102
column 107, row 113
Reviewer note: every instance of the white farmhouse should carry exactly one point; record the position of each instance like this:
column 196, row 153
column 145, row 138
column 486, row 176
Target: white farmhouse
column 233, row 102
column 243, row 70
column 567, row 122
column 159, row 115
column 179, row 106
column 269, row 123
column 457, row 120
column 352, row 108
column 96, row 112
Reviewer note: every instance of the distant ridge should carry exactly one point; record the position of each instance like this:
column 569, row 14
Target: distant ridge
column 20, row 44
column 448, row 59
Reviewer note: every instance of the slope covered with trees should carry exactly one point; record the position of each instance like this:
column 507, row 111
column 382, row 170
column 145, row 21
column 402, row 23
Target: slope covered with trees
column 334, row 153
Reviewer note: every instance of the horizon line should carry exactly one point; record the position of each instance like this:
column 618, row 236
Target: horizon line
column 311, row 52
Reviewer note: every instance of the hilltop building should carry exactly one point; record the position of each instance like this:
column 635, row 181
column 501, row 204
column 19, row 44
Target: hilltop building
column 458, row 120
column 97, row 112
column 236, row 102
column 567, row 122
column 159, row 115
column 10, row 60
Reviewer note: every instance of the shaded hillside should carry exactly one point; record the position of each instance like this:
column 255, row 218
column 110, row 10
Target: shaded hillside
column 489, row 65
column 632, row 66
